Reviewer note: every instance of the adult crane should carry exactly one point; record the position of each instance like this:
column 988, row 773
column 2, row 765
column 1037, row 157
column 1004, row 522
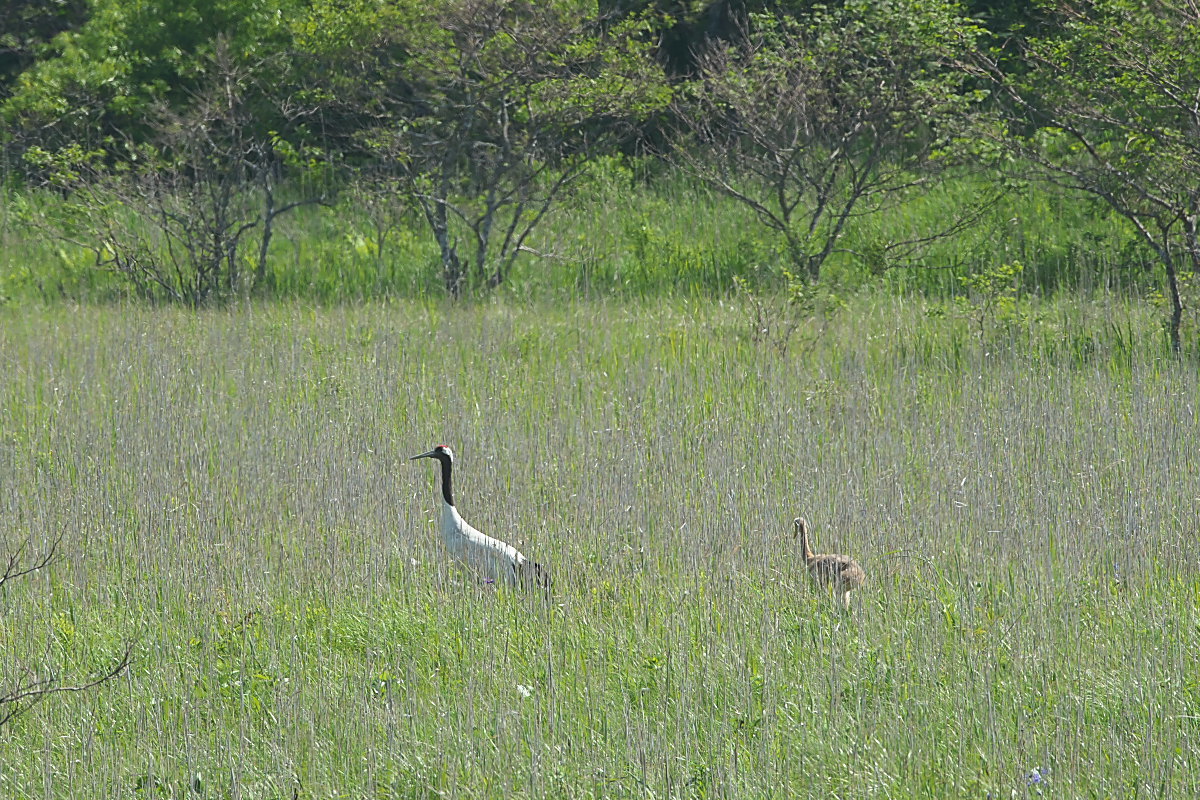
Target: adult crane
column 492, row 560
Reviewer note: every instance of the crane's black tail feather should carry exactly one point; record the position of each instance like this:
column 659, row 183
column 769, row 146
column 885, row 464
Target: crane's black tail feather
column 531, row 573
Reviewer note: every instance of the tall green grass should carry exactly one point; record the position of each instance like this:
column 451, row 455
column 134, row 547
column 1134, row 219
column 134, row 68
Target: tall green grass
column 631, row 232
column 235, row 500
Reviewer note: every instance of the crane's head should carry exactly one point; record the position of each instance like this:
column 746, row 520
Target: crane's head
column 442, row 453
column 801, row 526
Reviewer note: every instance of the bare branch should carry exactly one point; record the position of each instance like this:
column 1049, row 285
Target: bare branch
column 14, row 569
column 32, row 690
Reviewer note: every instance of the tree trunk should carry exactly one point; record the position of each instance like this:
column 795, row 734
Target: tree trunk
column 800, row 258
column 1168, row 261
column 264, row 244
column 1176, row 303
column 452, row 273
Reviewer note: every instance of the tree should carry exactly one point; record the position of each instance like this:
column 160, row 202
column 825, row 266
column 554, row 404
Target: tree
column 25, row 28
column 1108, row 107
column 177, row 214
column 814, row 123
column 490, row 111
column 681, row 28
column 107, row 76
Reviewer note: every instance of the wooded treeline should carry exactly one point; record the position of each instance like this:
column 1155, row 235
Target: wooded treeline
column 177, row 133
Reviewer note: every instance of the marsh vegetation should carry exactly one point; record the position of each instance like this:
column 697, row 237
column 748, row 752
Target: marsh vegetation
column 233, row 498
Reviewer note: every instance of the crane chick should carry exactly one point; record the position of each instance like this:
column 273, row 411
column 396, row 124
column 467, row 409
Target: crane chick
column 491, row 559
column 840, row 573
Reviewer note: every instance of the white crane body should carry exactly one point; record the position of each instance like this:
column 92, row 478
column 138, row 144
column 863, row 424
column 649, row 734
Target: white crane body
column 493, row 560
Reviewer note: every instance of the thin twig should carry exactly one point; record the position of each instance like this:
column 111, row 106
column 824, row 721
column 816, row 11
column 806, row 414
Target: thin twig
column 24, row 696
column 13, row 571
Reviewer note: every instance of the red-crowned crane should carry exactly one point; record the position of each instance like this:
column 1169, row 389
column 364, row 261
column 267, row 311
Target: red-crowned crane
column 830, row 570
column 492, row 560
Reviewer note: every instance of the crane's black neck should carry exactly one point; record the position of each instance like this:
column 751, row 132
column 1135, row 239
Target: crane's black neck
column 446, row 495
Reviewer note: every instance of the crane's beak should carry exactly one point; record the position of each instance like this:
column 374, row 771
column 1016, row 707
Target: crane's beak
column 430, row 454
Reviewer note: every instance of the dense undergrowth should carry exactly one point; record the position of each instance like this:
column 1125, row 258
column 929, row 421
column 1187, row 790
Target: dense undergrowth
column 633, row 233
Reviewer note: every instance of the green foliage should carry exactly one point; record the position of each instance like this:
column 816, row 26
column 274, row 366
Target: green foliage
column 1188, row 288
column 832, row 125
column 66, row 166
column 127, row 58
column 632, row 231
column 181, row 220
column 992, row 296
column 26, row 26
column 801, row 307
column 478, row 136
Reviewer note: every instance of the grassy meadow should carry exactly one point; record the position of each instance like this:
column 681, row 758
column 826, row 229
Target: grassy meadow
column 234, row 498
